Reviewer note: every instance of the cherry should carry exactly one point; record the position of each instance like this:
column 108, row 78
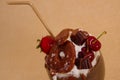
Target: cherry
column 46, row 44
column 86, row 54
column 84, row 49
column 81, row 54
column 90, row 56
column 84, row 60
column 93, row 43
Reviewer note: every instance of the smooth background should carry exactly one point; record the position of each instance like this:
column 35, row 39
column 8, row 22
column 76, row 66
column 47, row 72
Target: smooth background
column 20, row 28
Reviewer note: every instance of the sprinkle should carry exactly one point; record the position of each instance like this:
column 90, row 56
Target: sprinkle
column 62, row 54
column 52, row 55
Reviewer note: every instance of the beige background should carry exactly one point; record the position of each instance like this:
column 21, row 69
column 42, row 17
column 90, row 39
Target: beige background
column 20, row 28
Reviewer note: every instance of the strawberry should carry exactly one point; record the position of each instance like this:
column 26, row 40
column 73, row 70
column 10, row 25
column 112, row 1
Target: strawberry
column 46, row 44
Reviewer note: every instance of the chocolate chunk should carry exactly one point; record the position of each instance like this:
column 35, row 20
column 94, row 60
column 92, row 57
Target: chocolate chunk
column 77, row 63
column 80, row 37
column 85, row 64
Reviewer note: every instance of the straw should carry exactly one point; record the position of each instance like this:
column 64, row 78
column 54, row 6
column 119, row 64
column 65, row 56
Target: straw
column 35, row 10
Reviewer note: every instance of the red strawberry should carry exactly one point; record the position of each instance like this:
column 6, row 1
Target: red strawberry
column 46, row 44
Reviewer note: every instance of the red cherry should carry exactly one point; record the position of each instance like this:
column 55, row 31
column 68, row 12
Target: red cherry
column 46, row 43
column 81, row 54
column 93, row 43
column 90, row 56
column 84, row 49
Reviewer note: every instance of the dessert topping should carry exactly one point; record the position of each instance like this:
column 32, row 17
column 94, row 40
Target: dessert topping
column 46, row 43
column 85, row 64
column 62, row 36
column 81, row 54
column 79, row 37
column 78, row 63
column 64, row 58
column 86, row 53
column 90, row 56
column 93, row 43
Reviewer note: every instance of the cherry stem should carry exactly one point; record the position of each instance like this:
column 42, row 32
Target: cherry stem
column 104, row 32
column 87, row 47
column 35, row 11
column 38, row 46
column 38, row 40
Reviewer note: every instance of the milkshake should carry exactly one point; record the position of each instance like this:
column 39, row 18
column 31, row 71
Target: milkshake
column 73, row 55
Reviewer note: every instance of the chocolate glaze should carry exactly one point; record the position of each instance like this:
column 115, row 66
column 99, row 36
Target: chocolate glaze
column 62, row 36
column 61, row 64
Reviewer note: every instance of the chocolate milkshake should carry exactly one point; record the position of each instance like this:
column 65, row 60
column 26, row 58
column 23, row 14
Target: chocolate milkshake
column 73, row 55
